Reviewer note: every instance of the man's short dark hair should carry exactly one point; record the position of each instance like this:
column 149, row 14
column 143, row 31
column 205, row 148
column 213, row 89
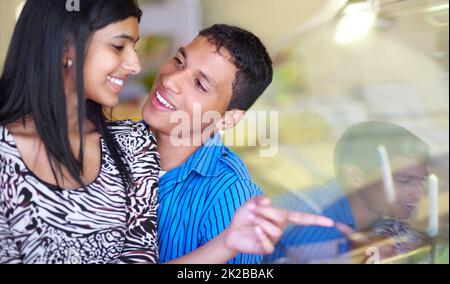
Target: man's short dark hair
column 250, row 58
column 358, row 145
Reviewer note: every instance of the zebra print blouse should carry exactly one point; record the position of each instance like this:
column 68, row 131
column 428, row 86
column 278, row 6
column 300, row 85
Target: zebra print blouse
column 104, row 223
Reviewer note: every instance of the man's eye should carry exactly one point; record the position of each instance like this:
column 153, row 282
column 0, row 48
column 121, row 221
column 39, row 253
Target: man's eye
column 404, row 180
column 178, row 61
column 200, row 86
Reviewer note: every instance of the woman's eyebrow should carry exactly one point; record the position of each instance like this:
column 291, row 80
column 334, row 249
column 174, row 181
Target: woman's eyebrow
column 128, row 37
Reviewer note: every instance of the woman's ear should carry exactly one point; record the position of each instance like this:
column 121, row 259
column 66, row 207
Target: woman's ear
column 230, row 119
column 353, row 176
column 68, row 55
column 68, row 70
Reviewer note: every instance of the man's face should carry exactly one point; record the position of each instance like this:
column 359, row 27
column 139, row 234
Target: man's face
column 197, row 75
column 409, row 176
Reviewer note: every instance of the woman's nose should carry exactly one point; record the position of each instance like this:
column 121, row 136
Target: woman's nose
column 132, row 65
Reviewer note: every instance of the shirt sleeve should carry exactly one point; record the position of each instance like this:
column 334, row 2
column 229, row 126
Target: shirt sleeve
column 222, row 212
column 9, row 253
column 141, row 244
column 312, row 244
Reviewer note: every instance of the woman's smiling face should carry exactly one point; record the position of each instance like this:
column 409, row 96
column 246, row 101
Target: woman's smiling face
column 110, row 59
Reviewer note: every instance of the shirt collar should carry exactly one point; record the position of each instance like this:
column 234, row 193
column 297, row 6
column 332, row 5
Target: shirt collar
column 204, row 161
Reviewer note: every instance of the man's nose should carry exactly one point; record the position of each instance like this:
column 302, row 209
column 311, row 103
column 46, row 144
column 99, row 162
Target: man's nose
column 173, row 82
column 418, row 191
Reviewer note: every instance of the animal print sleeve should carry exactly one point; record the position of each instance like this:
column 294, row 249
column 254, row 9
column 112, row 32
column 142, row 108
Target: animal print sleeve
column 9, row 253
column 141, row 244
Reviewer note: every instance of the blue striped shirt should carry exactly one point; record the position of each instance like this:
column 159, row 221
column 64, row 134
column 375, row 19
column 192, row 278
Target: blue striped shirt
column 198, row 200
column 304, row 244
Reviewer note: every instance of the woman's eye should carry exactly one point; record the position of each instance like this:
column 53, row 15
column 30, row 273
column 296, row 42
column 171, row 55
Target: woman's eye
column 118, row 47
column 200, row 86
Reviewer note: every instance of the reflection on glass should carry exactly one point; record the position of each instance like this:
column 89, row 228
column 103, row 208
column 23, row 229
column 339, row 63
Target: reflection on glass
column 395, row 73
column 356, row 199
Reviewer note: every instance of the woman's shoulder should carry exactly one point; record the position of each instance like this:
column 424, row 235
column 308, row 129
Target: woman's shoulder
column 132, row 135
column 128, row 128
column 10, row 160
column 124, row 127
column 7, row 143
column 139, row 146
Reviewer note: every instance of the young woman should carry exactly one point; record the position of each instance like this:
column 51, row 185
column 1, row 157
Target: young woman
column 74, row 187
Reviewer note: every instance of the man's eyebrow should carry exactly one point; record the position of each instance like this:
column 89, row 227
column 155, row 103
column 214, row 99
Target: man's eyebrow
column 128, row 37
column 410, row 175
column 182, row 51
column 209, row 79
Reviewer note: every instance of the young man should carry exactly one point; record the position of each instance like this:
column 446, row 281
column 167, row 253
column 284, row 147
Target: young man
column 223, row 71
column 356, row 200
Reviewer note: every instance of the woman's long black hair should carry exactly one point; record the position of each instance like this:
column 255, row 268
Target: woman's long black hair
column 32, row 81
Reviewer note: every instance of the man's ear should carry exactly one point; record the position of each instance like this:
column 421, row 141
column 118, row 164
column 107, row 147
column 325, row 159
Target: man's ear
column 354, row 176
column 230, row 119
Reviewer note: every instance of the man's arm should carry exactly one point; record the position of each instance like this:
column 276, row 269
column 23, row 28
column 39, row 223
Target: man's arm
column 222, row 212
column 255, row 229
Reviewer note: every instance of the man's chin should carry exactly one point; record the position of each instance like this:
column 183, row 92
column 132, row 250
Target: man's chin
column 404, row 215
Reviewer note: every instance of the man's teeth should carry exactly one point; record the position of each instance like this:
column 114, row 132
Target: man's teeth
column 116, row 81
column 164, row 101
column 409, row 204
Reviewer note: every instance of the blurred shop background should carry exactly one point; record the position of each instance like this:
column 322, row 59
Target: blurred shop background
column 337, row 63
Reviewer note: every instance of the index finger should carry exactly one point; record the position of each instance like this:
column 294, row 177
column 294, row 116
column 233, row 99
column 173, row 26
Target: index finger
column 345, row 230
column 351, row 234
column 307, row 219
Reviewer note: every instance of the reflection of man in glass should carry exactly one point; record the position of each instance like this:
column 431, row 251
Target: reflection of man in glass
column 356, row 198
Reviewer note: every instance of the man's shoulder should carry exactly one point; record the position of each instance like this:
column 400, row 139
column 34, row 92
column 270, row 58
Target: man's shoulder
column 232, row 164
column 232, row 176
column 215, row 171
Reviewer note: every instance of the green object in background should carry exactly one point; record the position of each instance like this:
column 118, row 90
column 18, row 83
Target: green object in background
column 441, row 252
column 289, row 77
column 148, row 80
column 153, row 52
column 151, row 44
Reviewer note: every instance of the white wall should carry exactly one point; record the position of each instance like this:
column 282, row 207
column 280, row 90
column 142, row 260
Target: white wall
column 179, row 18
column 271, row 20
column 7, row 22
